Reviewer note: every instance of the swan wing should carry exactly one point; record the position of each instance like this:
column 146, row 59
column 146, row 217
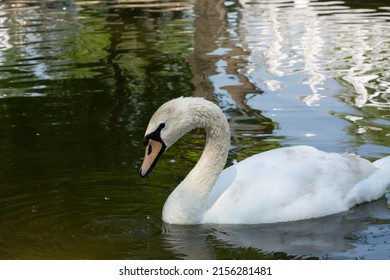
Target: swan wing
column 286, row 184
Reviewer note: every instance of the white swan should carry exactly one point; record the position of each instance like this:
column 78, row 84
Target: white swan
column 284, row 184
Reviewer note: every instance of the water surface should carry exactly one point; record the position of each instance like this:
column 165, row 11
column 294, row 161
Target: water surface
column 80, row 79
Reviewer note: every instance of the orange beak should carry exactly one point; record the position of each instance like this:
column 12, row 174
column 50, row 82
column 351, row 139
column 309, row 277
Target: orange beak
column 154, row 150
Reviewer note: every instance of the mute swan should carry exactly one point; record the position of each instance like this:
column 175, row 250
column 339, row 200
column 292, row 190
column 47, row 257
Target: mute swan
column 284, row 184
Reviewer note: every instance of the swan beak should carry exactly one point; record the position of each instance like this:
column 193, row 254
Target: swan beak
column 154, row 150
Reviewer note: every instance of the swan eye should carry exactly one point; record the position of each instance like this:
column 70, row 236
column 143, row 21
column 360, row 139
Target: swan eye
column 155, row 136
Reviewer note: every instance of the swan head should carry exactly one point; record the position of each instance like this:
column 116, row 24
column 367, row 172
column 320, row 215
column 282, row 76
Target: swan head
column 170, row 122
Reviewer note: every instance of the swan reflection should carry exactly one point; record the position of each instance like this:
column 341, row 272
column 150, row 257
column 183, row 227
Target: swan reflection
column 335, row 236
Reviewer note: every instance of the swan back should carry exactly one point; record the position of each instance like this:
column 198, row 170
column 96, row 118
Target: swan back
column 289, row 184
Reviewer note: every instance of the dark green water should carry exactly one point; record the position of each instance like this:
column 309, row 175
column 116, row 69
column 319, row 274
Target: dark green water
column 79, row 81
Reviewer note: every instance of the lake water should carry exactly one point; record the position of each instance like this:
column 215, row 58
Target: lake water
column 79, row 81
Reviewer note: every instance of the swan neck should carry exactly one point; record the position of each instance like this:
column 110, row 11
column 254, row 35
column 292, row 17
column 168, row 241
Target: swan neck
column 186, row 204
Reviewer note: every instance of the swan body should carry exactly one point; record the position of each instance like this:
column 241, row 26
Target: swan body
column 284, row 184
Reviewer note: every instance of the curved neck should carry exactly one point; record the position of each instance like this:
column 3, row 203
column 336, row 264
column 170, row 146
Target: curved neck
column 186, row 204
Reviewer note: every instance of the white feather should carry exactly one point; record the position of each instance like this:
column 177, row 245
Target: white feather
column 280, row 185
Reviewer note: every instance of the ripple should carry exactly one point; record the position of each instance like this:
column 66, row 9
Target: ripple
column 77, row 42
column 319, row 40
column 55, row 218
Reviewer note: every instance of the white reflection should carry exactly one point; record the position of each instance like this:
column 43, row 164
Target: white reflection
column 4, row 36
column 359, row 83
column 314, row 42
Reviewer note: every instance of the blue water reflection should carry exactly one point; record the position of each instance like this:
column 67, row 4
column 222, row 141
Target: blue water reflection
column 324, row 68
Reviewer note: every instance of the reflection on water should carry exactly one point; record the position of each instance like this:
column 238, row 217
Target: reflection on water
column 327, row 237
column 315, row 52
column 80, row 79
column 70, row 40
column 319, row 41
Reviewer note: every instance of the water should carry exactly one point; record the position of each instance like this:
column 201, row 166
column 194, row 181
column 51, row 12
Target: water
column 331, row 59
column 80, row 79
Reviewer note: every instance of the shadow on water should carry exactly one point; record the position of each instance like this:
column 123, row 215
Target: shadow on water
column 80, row 79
